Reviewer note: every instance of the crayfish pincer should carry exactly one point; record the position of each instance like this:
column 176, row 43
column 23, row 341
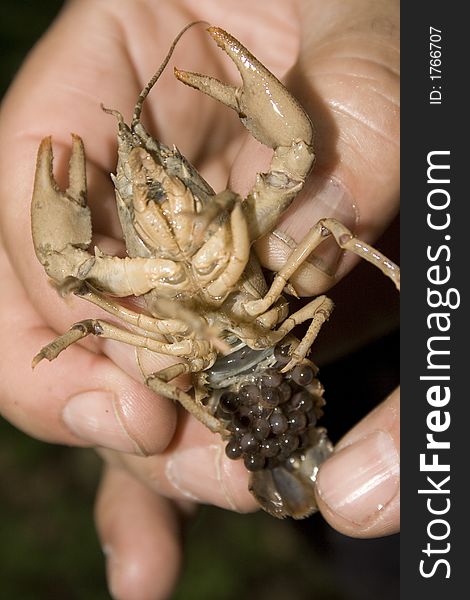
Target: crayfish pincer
column 203, row 294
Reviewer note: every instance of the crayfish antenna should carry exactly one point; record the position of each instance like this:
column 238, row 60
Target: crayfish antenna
column 145, row 92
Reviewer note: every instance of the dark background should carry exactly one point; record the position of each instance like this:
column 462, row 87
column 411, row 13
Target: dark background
column 48, row 547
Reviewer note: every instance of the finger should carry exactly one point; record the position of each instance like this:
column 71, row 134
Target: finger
column 82, row 398
column 194, row 467
column 140, row 536
column 358, row 487
column 347, row 80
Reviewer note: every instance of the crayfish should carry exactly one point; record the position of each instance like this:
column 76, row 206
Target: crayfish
column 205, row 298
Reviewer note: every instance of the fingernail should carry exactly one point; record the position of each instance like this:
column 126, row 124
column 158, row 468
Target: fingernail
column 321, row 197
column 361, row 479
column 197, row 473
column 92, row 416
column 332, row 199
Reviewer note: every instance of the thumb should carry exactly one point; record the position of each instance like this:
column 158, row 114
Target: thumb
column 358, row 488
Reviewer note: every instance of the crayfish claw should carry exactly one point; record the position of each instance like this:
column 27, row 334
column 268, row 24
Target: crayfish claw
column 77, row 172
column 265, row 107
column 60, row 221
column 275, row 118
column 223, row 92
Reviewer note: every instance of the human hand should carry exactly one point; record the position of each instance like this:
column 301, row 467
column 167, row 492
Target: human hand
column 94, row 54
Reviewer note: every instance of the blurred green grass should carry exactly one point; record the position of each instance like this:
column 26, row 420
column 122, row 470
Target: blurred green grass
column 48, row 546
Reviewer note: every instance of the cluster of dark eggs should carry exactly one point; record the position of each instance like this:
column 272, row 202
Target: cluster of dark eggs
column 270, row 417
